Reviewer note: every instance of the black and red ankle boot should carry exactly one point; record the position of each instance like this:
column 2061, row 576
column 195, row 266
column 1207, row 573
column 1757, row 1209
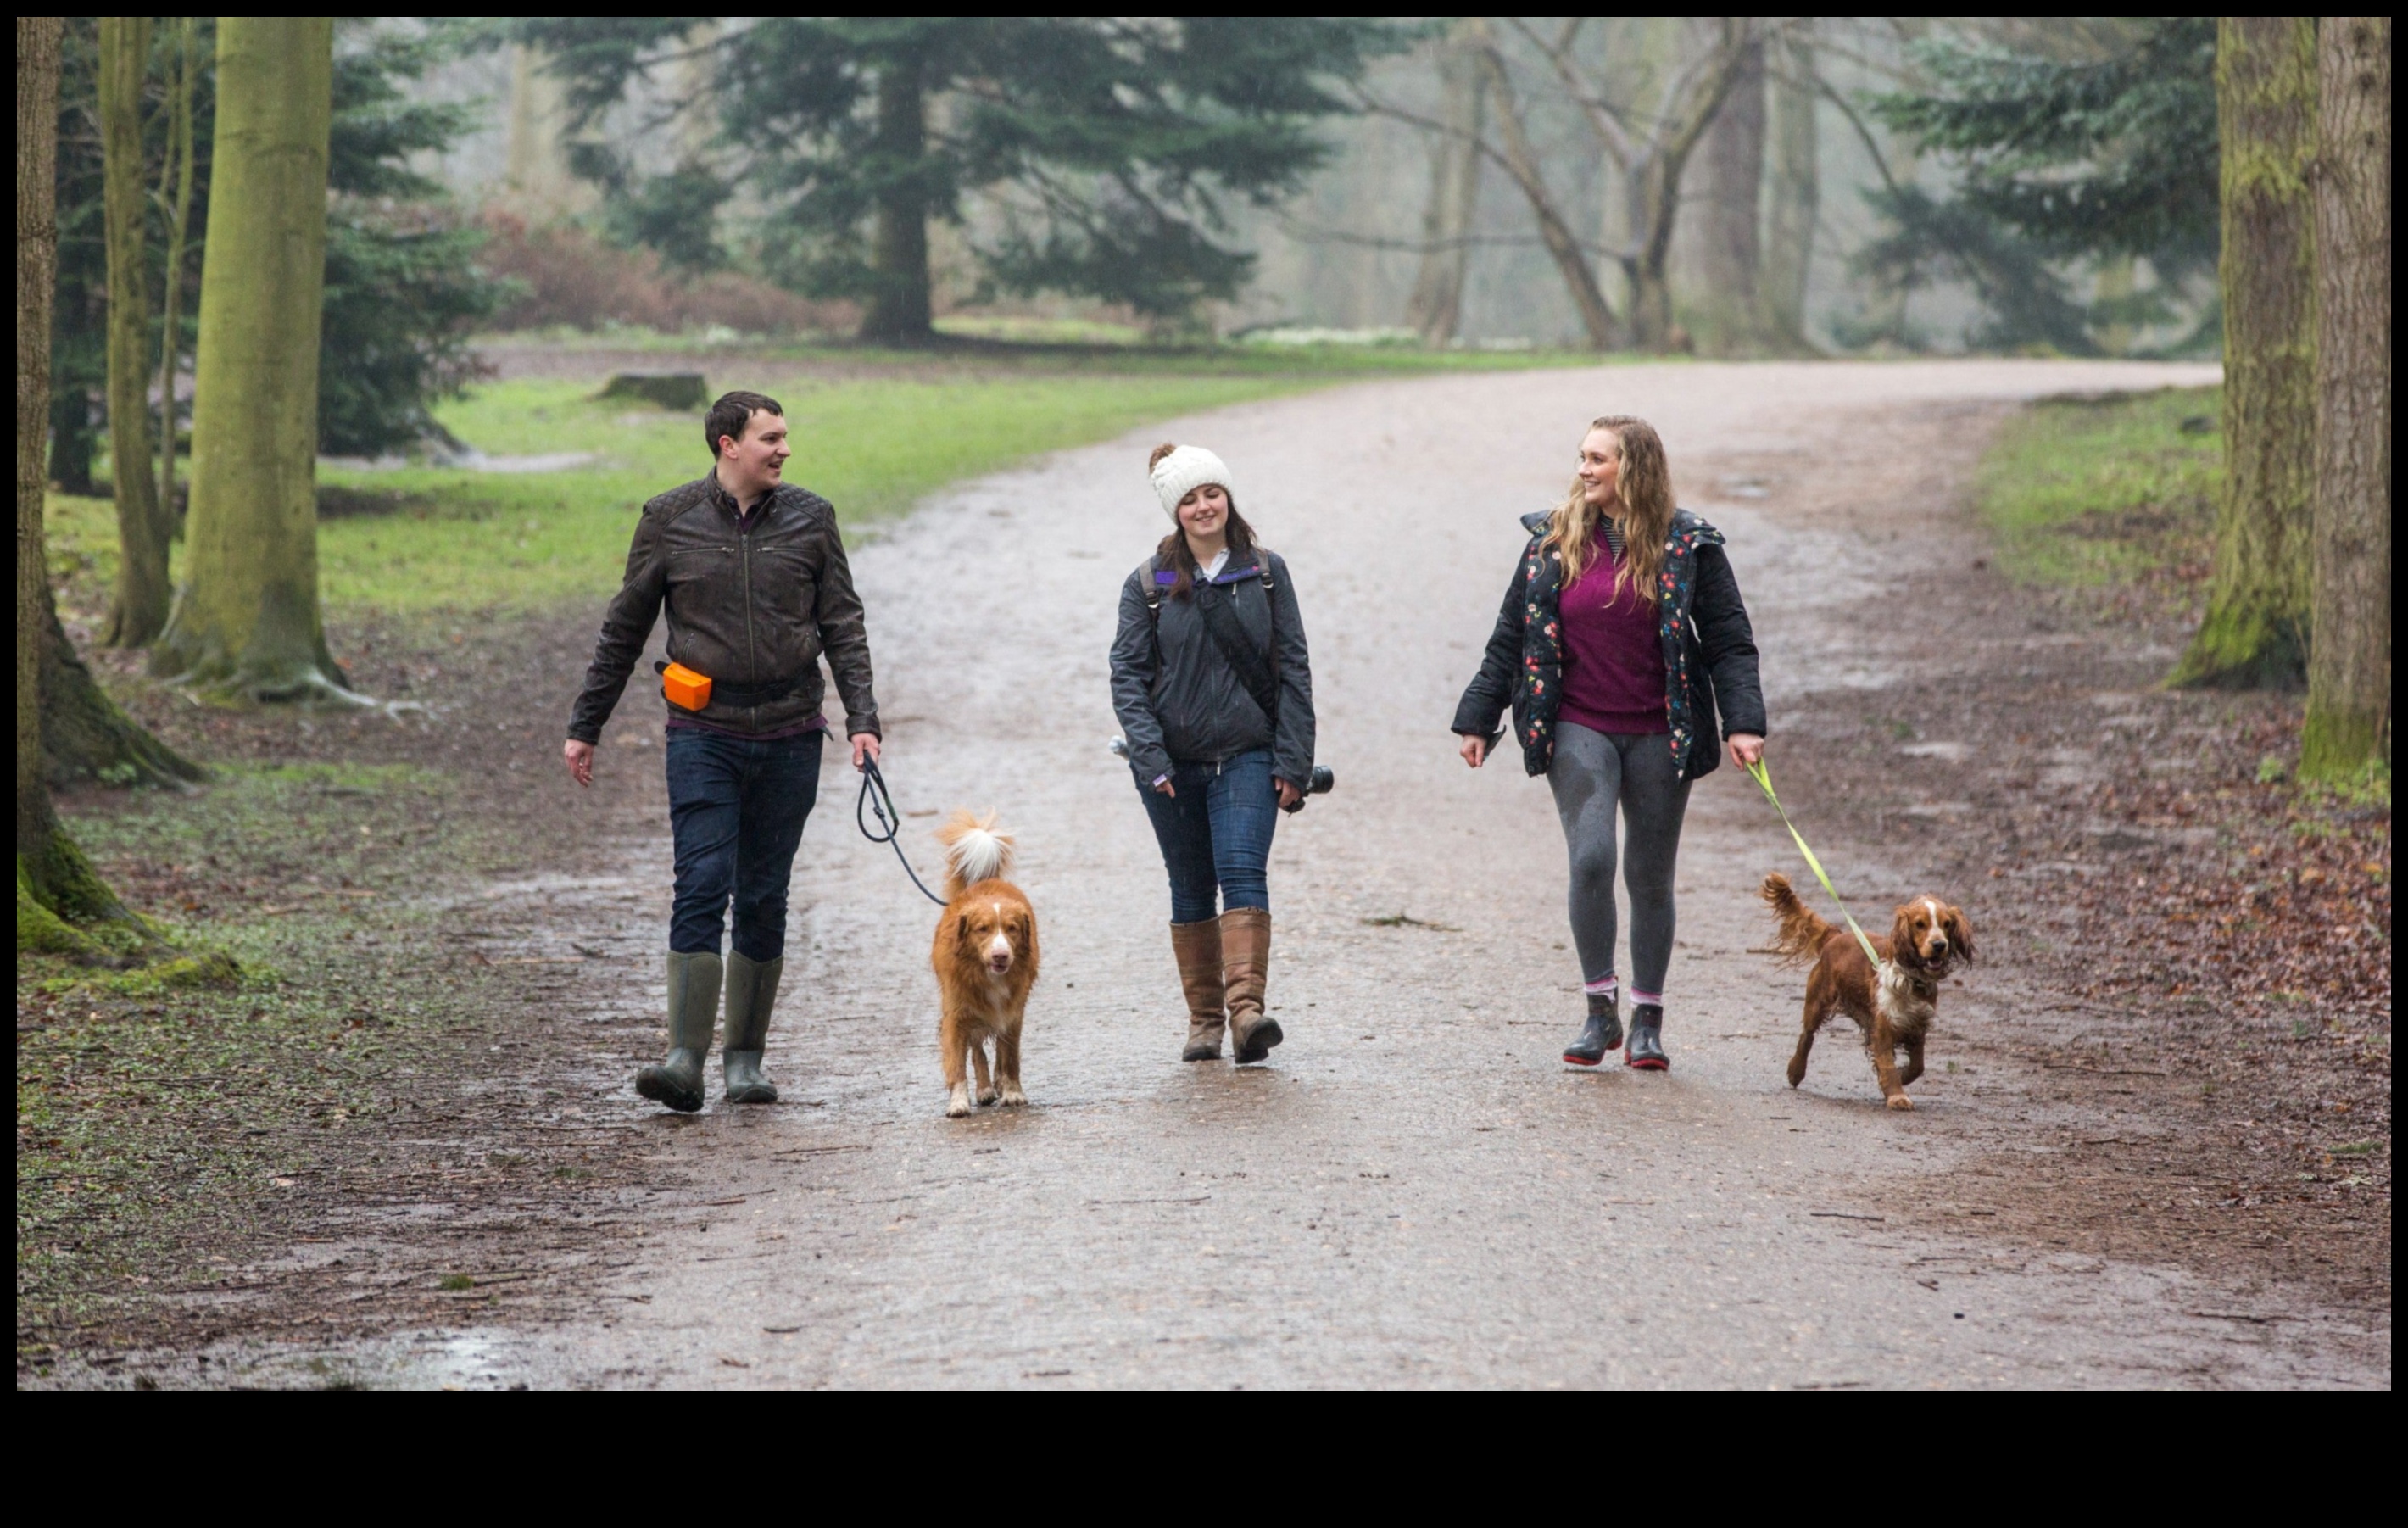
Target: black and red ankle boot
column 1646, row 1052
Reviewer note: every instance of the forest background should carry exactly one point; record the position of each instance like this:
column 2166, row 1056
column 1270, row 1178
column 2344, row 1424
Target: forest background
column 440, row 360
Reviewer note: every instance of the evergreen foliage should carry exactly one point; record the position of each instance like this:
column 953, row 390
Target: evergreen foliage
column 2061, row 162
column 1110, row 145
column 403, row 289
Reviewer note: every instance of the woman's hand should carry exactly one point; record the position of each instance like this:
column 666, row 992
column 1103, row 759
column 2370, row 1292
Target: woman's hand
column 1474, row 750
column 578, row 756
column 1165, row 787
column 1288, row 795
column 1746, row 748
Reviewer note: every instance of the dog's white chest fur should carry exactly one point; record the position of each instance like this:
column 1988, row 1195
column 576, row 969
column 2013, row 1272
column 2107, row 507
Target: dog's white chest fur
column 1906, row 1008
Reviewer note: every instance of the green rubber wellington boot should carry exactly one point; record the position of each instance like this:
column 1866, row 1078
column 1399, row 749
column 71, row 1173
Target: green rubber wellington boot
column 752, row 989
column 694, row 1008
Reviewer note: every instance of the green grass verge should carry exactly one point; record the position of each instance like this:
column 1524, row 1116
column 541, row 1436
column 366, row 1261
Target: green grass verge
column 427, row 538
column 158, row 1126
column 2083, row 493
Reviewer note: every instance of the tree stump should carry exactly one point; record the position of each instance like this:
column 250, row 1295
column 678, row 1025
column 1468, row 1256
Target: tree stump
column 661, row 389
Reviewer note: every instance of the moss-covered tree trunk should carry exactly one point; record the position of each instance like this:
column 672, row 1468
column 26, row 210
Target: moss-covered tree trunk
column 246, row 621
column 56, row 889
column 141, row 608
column 2349, row 669
column 2254, row 632
column 899, row 305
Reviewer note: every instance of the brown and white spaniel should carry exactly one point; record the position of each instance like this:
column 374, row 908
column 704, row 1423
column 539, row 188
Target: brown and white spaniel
column 1895, row 1006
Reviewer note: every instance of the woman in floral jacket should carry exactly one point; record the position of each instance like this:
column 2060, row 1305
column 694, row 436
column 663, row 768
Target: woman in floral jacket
column 1626, row 654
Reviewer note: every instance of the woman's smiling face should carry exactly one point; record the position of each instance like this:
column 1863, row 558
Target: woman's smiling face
column 1600, row 466
column 1205, row 510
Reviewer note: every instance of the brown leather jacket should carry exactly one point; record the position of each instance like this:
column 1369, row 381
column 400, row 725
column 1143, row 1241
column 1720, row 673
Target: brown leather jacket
column 754, row 605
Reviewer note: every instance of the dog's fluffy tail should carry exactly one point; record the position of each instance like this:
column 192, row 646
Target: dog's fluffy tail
column 975, row 850
column 1802, row 929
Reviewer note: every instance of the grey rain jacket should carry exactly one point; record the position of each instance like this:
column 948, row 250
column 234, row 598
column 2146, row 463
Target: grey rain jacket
column 1194, row 709
column 753, row 606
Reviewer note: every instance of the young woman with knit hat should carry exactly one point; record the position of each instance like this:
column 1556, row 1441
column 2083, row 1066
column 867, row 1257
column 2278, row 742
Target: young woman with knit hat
column 1208, row 633
column 1621, row 644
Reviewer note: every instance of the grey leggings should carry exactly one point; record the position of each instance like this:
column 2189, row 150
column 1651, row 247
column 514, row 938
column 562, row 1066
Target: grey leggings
column 1592, row 774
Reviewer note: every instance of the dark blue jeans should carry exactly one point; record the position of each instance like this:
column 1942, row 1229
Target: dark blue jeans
column 736, row 807
column 1216, row 834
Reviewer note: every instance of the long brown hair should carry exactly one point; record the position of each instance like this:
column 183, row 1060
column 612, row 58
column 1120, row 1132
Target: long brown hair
column 1173, row 553
column 1645, row 485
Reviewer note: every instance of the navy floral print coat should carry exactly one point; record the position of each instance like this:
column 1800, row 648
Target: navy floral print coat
column 1710, row 675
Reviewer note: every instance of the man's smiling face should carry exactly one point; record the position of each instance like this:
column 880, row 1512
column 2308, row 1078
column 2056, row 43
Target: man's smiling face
column 753, row 466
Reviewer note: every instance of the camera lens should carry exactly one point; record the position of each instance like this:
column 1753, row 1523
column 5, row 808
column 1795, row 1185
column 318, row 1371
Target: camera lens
column 1324, row 781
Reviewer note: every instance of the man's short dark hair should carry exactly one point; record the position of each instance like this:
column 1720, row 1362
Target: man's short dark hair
column 732, row 413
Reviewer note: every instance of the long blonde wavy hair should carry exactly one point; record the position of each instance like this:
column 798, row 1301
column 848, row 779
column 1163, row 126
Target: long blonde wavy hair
column 1645, row 485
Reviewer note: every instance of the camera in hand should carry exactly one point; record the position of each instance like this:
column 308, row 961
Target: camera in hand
column 1323, row 782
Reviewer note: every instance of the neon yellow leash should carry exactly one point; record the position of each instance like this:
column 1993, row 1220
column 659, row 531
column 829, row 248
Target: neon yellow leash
column 1764, row 779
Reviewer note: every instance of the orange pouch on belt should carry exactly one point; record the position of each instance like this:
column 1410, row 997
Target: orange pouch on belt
column 684, row 688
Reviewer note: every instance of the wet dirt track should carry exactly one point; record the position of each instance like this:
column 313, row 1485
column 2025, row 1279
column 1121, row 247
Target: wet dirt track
column 1416, row 1191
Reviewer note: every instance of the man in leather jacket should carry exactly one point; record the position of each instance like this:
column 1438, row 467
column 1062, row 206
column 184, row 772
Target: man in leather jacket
column 754, row 576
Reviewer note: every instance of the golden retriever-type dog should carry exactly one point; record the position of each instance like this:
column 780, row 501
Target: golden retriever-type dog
column 986, row 959
column 1893, row 1006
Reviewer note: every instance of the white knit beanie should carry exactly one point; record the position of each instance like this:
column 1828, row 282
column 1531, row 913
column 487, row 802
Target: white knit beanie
column 1183, row 472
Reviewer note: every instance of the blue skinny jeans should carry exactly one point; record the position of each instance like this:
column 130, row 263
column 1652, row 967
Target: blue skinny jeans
column 1216, row 834
column 736, row 807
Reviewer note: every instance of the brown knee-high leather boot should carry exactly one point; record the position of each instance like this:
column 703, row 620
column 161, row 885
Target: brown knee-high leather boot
column 1197, row 947
column 1245, row 964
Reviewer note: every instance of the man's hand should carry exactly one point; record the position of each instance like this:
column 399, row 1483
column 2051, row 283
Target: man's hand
column 1474, row 750
column 578, row 756
column 1288, row 795
column 864, row 746
column 1745, row 748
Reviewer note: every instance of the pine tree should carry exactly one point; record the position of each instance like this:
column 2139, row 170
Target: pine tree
column 2057, row 162
column 1107, row 147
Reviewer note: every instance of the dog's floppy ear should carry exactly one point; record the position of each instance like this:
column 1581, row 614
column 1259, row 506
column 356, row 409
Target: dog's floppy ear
column 960, row 926
column 1960, row 933
column 1902, row 945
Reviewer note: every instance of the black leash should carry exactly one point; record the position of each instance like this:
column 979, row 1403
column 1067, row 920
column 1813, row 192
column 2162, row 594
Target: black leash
column 882, row 800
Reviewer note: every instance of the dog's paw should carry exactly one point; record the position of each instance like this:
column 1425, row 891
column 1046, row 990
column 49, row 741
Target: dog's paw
column 1014, row 1097
column 958, row 1105
column 986, row 1095
column 1900, row 1100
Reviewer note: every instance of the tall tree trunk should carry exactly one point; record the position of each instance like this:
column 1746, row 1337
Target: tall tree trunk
column 2349, row 667
column 1731, row 248
column 178, row 199
column 1521, row 160
column 2254, row 632
column 246, row 619
column 1792, row 195
column 899, row 308
column 1655, row 173
column 56, row 888
column 37, row 252
column 141, row 606
column 1436, row 306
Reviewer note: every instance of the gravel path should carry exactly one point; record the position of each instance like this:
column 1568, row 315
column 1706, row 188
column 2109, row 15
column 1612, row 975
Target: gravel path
column 1416, row 1192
